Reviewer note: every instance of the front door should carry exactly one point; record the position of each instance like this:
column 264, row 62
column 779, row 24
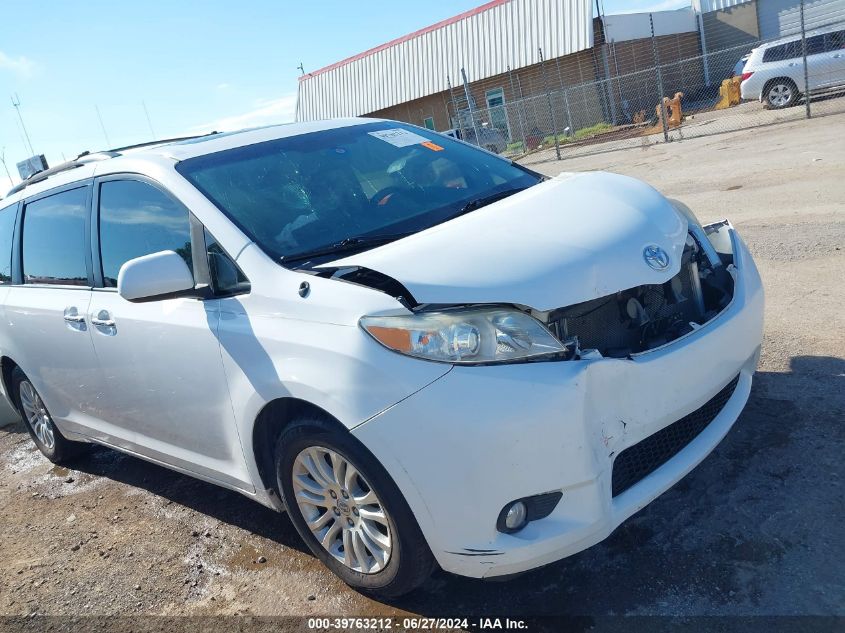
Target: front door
column 834, row 58
column 166, row 394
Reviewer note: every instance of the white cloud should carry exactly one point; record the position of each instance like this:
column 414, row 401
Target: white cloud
column 281, row 110
column 20, row 65
column 223, row 86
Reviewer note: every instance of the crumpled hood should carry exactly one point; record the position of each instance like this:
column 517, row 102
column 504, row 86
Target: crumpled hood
column 570, row 239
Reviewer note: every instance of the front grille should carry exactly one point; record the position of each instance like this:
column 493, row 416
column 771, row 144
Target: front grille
column 646, row 456
column 606, row 325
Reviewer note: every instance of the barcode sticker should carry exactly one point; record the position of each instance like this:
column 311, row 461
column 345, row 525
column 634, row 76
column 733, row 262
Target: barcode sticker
column 399, row 137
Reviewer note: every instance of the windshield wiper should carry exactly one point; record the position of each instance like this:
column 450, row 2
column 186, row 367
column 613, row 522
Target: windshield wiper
column 346, row 245
column 472, row 205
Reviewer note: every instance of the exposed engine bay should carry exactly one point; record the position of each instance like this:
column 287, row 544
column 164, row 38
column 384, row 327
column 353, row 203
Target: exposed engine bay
column 646, row 317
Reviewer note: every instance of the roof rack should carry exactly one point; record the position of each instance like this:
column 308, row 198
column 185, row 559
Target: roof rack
column 175, row 139
column 90, row 157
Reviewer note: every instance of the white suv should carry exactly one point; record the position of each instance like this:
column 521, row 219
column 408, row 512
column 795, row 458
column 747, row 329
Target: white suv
column 425, row 353
column 774, row 72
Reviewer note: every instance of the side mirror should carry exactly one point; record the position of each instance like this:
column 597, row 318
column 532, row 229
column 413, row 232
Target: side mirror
column 163, row 275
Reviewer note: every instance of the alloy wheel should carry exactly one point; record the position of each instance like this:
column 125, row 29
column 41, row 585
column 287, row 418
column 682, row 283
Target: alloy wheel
column 780, row 95
column 342, row 510
column 36, row 415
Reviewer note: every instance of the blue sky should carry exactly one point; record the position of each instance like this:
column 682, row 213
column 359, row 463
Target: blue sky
column 197, row 65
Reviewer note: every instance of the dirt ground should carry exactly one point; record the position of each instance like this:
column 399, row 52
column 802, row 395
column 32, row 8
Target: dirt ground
column 696, row 124
column 755, row 529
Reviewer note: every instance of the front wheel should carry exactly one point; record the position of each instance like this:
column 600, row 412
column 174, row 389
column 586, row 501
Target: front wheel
column 348, row 510
column 781, row 93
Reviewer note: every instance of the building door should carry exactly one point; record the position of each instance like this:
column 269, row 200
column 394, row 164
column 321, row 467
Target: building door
column 498, row 112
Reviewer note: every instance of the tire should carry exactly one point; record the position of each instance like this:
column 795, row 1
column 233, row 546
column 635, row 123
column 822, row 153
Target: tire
column 388, row 555
column 47, row 437
column 780, row 93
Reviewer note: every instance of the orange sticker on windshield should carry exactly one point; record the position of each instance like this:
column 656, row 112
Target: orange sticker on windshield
column 432, row 146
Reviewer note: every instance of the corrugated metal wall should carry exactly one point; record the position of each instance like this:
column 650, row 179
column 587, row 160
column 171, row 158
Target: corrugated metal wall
column 783, row 17
column 704, row 6
column 634, row 26
column 486, row 44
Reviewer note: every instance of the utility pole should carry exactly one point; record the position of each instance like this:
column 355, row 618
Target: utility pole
column 5, row 166
column 16, row 103
column 301, row 68
column 804, row 57
column 108, row 142
column 661, row 103
column 471, row 106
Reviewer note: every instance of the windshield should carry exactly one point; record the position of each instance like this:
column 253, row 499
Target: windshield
column 327, row 191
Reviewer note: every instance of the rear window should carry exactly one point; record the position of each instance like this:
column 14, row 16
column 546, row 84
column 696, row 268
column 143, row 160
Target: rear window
column 7, row 229
column 54, row 239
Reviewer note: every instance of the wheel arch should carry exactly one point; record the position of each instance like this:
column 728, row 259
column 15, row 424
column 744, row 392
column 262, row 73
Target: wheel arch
column 276, row 416
column 781, row 78
column 7, row 366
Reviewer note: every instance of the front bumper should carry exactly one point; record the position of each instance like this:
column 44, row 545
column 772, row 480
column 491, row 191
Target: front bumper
column 480, row 437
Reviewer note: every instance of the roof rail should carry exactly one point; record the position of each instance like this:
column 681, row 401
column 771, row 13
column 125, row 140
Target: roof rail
column 44, row 175
column 162, row 142
column 89, row 157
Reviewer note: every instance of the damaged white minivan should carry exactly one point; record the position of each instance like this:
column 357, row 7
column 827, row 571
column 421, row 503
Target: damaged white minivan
column 426, row 354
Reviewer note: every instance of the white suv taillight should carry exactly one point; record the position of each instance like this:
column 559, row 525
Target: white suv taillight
column 746, row 76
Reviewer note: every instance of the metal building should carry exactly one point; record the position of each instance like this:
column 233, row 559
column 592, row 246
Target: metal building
column 490, row 40
column 775, row 18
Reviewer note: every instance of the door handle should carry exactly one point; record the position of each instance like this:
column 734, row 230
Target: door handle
column 75, row 318
column 103, row 319
column 837, row 56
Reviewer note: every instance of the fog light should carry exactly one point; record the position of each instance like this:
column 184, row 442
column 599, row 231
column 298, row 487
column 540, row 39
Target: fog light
column 519, row 513
column 515, row 517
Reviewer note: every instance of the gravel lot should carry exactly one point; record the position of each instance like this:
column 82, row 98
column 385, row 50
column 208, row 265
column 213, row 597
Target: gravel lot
column 755, row 529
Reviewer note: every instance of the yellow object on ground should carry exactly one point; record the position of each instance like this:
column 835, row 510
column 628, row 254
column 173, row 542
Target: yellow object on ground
column 729, row 94
column 673, row 110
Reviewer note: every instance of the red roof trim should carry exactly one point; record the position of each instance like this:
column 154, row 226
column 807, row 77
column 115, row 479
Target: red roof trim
column 405, row 38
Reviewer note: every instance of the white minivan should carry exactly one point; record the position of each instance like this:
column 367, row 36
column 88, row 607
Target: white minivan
column 426, row 354
column 774, row 71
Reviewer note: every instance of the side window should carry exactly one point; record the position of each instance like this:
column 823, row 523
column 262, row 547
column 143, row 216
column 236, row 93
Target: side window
column 137, row 219
column 835, row 41
column 773, row 54
column 782, row 52
column 7, row 228
column 54, row 239
column 226, row 277
column 815, row 45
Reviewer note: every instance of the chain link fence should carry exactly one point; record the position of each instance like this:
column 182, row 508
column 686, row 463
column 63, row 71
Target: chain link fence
column 793, row 77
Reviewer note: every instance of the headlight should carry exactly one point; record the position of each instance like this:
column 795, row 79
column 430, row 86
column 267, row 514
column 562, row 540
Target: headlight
column 475, row 335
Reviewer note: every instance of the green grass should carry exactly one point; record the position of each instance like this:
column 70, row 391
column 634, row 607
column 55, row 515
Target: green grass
column 584, row 132
column 516, row 147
